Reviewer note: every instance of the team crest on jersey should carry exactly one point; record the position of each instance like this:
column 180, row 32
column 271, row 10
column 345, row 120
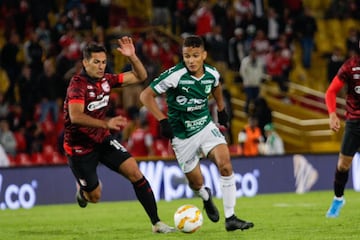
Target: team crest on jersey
column 357, row 89
column 207, row 88
column 105, row 86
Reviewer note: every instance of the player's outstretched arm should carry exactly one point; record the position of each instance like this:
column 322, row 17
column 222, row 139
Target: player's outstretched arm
column 138, row 72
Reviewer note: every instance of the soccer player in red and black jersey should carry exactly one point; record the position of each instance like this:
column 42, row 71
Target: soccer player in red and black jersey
column 349, row 76
column 87, row 137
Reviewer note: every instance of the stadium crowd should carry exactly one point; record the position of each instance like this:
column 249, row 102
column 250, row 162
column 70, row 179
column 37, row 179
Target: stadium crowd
column 41, row 44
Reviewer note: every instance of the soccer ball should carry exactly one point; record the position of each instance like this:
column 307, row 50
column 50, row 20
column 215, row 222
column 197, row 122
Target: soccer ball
column 188, row 218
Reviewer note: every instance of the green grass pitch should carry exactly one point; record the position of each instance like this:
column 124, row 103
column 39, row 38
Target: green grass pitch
column 276, row 216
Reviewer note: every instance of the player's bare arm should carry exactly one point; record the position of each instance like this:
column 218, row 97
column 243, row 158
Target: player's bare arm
column 138, row 72
column 147, row 97
column 218, row 96
column 77, row 116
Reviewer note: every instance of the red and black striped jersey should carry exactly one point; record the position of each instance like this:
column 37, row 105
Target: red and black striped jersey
column 95, row 95
column 349, row 73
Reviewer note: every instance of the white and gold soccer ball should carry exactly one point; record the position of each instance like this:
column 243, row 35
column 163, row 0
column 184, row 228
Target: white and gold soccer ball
column 188, row 218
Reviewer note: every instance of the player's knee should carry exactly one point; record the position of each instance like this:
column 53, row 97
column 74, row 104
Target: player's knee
column 130, row 170
column 225, row 168
column 344, row 163
column 134, row 176
column 343, row 167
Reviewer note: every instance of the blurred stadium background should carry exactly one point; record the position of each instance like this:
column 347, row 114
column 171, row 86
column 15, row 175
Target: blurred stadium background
column 36, row 36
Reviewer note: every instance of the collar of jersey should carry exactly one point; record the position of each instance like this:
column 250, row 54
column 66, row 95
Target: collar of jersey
column 90, row 79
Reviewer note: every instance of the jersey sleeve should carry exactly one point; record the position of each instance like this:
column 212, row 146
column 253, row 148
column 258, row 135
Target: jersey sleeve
column 115, row 80
column 215, row 73
column 331, row 93
column 76, row 91
column 165, row 81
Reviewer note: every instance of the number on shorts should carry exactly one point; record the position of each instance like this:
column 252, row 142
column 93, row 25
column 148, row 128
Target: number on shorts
column 117, row 145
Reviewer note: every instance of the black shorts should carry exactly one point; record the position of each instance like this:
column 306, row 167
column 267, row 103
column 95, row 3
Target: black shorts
column 351, row 138
column 110, row 153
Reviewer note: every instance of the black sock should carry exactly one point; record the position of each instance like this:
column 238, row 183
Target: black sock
column 146, row 197
column 340, row 181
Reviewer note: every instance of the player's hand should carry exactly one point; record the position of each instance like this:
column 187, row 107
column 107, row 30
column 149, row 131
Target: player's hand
column 126, row 46
column 165, row 129
column 334, row 122
column 223, row 118
column 116, row 123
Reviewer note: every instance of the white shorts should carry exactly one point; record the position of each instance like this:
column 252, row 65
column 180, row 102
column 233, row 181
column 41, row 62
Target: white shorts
column 188, row 151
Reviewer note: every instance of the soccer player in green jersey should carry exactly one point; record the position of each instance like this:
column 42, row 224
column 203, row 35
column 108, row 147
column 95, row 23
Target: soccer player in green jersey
column 190, row 128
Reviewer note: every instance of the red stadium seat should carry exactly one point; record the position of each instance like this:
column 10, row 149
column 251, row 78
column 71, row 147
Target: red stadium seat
column 48, row 126
column 163, row 148
column 20, row 141
column 52, row 156
column 23, row 159
column 48, row 149
column 12, row 161
column 235, row 149
column 38, row 159
column 50, row 132
column 57, row 158
column 59, row 126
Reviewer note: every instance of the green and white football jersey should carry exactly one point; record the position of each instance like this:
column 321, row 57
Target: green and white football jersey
column 187, row 98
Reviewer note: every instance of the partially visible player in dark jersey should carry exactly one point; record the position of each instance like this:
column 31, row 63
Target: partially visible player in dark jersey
column 349, row 76
column 87, row 137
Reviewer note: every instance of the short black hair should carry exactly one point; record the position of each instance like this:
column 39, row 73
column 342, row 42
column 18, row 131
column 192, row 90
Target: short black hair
column 193, row 41
column 93, row 48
